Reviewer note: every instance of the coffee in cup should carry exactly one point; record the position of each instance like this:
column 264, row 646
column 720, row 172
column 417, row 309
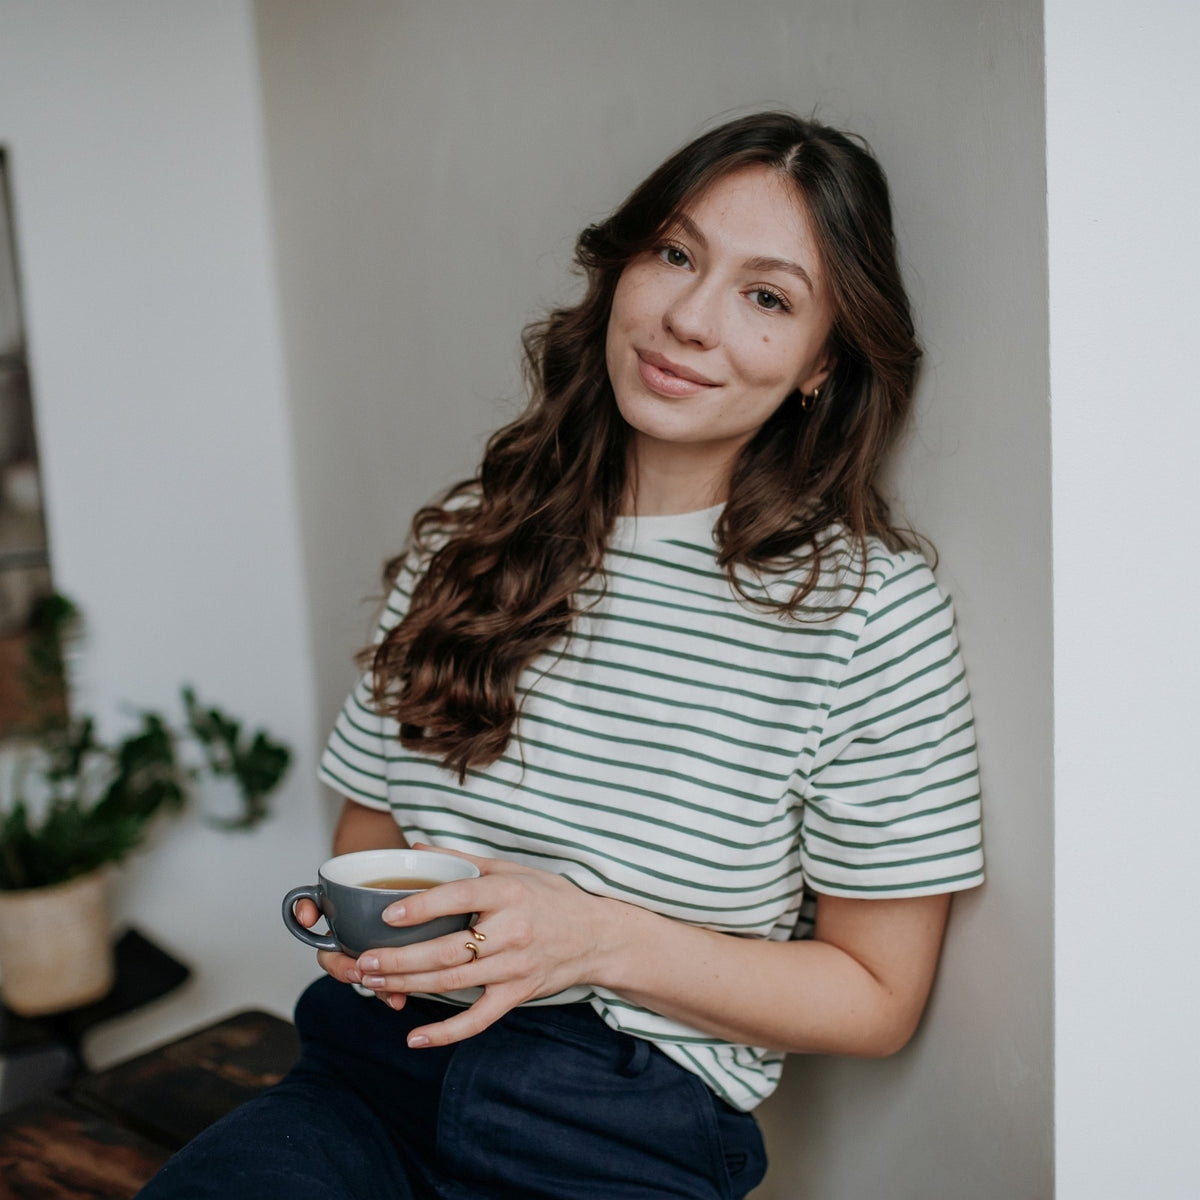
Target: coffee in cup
column 352, row 890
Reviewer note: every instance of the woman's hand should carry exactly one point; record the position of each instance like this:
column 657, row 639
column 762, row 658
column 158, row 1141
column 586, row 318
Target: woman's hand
column 358, row 828
column 536, row 934
column 341, row 966
column 857, row 987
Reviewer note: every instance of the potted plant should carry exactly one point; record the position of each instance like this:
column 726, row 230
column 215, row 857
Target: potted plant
column 73, row 803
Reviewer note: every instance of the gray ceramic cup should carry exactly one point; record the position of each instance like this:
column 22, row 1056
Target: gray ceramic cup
column 353, row 910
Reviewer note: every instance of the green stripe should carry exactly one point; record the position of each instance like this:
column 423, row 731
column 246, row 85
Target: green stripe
column 656, row 901
column 925, row 614
column 888, row 822
column 725, row 595
column 887, row 736
column 731, row 607
column 760, row 827
column 643, row 768
column 333, row 753
column 909, row 797
column 949, row 831
column 612, row 690
column 891, row 713
column 892, row 583
column 742, row 669
column 909, row 655
column 659, row 799
column 698, row 1066
column 967, row 726
column 338, row 783
column 705, row 731
column 941, row 634
column 944, row 883
column 878, row 718
column 758, row 697
column 601, row 617
column 875, row 780
column 373, row 734
column 899, row 864
column 767, row 891
column 643, row 744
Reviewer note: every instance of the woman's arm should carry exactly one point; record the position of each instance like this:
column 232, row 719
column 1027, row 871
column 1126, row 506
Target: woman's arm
column 363, row 828
column 857, row 988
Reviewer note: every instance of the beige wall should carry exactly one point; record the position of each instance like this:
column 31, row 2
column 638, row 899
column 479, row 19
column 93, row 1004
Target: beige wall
column 430, row 166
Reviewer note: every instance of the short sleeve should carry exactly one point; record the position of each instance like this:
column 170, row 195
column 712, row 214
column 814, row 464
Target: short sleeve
column 892, row 803
column 355, row 759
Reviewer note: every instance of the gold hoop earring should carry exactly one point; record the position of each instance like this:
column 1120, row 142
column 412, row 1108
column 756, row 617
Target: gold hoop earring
column 806, row 402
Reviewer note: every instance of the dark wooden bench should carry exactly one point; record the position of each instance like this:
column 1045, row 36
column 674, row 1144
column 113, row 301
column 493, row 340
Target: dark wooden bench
column 109, row 1131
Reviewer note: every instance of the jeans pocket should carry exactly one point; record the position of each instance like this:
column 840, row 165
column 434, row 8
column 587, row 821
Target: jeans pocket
column 742, row 1147
column 528, row 1112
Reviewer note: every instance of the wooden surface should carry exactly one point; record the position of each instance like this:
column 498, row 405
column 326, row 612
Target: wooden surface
column 115, row 1128
column 172, row 1093
column 54, row 1150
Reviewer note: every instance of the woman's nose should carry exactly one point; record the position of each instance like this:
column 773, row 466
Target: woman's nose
column 692, row 316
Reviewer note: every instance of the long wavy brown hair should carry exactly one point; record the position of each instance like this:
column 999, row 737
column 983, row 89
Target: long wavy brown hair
column 508, row 550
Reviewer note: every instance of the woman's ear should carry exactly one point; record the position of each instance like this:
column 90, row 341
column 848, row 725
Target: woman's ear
column 818, row 375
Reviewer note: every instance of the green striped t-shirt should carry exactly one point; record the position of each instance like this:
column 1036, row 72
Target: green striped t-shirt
column 711, row 760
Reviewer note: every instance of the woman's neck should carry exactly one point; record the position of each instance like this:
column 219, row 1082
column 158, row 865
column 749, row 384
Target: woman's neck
column 662, row 489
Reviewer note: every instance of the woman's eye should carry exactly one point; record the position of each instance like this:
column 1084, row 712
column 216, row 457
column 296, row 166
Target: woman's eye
column 767, row 300
column 673, row 256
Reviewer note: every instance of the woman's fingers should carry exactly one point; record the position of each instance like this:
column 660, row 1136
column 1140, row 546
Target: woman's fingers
column 440, row 965
column 340, row 966
column 486, row 894
column 436, row 982
column 488, row 1009
column 532, row 936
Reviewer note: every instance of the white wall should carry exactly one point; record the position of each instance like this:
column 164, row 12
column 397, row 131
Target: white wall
column 136, row 152
column 430, row 166
column 1124, row 254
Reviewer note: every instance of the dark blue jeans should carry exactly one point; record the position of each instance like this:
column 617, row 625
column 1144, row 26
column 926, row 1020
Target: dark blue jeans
column 547, row 1104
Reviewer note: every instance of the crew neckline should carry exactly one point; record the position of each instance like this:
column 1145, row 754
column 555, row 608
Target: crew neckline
column 686, row 526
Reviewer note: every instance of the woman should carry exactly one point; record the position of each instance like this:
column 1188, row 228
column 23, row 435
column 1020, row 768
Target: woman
column 669, row 673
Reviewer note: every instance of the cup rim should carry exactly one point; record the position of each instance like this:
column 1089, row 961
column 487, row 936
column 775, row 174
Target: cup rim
column 458, row 868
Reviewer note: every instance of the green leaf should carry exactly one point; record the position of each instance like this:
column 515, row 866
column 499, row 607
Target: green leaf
column 101, row 797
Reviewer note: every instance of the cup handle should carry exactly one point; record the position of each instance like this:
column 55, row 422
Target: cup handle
column 322, row 941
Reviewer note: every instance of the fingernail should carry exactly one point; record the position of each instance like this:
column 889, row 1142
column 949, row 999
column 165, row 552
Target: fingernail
column 417, row 1040
column 394, row 912
column 353, row 975
column 374, row 981
column 368, row 962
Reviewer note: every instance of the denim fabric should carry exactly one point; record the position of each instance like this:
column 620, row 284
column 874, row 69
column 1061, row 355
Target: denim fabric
column 547, row 1104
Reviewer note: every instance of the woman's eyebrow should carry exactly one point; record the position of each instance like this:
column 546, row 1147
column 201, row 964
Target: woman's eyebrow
column 781, row 264
column 692, row 230
column 764, row 263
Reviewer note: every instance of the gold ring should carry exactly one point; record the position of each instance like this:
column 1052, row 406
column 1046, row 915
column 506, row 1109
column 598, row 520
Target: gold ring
column 479, row 937
column 474, row 949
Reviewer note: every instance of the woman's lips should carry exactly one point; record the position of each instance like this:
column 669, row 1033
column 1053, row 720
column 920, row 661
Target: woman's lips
column 668, row 379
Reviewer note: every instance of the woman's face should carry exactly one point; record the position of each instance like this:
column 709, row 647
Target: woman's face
column 715, row 327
